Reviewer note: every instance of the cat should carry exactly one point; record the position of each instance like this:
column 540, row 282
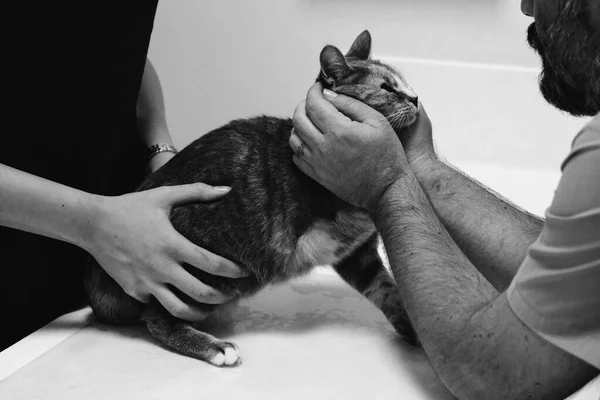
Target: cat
column 276, row 222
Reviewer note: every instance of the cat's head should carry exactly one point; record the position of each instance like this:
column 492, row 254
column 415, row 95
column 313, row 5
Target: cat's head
column 370, row 81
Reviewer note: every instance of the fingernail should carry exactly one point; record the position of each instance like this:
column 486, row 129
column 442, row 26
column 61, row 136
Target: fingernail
column 329, row 93
column 222, row 188
column 244, row 273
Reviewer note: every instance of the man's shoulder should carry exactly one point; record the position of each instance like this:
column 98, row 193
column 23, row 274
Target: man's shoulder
column 589, row 133
column 586, row 140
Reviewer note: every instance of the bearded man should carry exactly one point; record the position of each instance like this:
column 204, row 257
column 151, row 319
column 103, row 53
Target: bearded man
column 506, row 305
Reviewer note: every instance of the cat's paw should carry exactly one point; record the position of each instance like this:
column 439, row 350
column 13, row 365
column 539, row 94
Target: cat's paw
column 226, row 355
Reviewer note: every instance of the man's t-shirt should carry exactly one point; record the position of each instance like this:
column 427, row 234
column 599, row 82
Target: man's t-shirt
column 556, row 292
column 72, row 72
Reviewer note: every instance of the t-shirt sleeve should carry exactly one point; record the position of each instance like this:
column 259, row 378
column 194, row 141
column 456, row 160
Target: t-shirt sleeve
column 556, row 292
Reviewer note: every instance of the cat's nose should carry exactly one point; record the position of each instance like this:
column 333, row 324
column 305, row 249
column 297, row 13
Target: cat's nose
column 415, row 101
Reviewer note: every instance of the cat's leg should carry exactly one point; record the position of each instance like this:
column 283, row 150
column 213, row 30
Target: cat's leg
column 182, row 337
column 364, row 270
column 109, row 302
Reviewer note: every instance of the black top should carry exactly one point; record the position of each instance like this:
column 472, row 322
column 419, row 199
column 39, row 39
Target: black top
column 72, row 76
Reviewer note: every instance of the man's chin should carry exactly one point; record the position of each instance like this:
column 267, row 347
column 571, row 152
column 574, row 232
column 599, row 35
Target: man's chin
column 533, row 39
column 567, row 82
column 563, row 96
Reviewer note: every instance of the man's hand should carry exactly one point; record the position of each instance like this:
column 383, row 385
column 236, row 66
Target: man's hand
column 133, row 240
column 353, row 152
column 417, row 140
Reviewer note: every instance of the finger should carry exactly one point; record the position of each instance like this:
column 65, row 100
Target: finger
column 298, row 146
column 422, row 121
column 206, row 261
column 193, row 192
column 139, row 296
column 195, row 289
column 176, row 307
column 354, row 109
column 325, row 117
column 305, row 129
column 305, row 167
column 422, row 116
column 421, row 108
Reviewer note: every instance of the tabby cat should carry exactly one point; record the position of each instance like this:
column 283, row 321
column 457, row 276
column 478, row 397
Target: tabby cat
column 276, row 222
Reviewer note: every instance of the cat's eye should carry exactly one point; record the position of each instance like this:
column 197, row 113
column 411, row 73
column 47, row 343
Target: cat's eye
column 387, row 87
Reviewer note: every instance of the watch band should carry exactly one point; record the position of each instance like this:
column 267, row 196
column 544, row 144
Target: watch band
column 159, row 148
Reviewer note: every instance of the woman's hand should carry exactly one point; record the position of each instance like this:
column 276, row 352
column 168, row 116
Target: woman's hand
column 346, row 146
column 134, row 241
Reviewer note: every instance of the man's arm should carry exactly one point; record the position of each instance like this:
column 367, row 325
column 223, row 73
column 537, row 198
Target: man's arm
column 475, row 343
column 491, row 231
column 151, row 116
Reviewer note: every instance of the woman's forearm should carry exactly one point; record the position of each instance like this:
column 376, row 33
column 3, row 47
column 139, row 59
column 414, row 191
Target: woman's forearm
column 37, row 205
column 491, row 231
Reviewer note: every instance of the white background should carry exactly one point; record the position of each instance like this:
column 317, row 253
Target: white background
column 467, row 59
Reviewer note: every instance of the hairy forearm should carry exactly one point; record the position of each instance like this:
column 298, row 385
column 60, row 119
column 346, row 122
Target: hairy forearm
column 493, row 233
column 43, row 207
column 151, row 115
column 474, row 342
column 440, row 287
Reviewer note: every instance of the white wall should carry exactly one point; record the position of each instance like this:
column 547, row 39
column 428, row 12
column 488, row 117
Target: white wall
column 468, row 60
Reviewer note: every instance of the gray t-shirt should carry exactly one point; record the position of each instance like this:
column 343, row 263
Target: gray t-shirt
column 556, row 292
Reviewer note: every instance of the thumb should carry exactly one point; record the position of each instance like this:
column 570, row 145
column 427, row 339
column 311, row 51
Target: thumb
column 194, row 192
column 354, row 109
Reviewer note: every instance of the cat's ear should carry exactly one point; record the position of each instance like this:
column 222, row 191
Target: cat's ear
column 333, row 64
column 361, row 48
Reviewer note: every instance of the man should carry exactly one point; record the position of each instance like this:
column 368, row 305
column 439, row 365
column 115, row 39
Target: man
column 506, row 305
column 82, row 106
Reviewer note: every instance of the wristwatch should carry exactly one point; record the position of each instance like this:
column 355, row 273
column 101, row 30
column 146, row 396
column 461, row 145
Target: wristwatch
column 159, row 148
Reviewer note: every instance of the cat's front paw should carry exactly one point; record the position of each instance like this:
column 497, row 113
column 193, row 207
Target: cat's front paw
column 226, row 354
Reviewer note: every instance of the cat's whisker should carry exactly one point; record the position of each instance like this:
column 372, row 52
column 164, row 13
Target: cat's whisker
column 395, row 119
column 389, row 118
column 398, row 123
column 392, row 117
column 402, row 121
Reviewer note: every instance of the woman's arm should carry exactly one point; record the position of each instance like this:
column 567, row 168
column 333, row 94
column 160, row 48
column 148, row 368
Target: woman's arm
column 151, row 116
column 37, row 205
column 131, row 236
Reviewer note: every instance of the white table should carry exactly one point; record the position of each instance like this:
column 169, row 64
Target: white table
column 314, row 338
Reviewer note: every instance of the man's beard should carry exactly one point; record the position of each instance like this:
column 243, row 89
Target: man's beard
column 570, row 53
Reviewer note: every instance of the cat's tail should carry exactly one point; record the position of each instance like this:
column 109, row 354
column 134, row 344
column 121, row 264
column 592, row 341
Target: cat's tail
column 182, row 337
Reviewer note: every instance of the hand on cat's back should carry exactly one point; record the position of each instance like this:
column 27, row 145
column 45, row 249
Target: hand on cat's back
column 346, row 146
column 133, row 240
